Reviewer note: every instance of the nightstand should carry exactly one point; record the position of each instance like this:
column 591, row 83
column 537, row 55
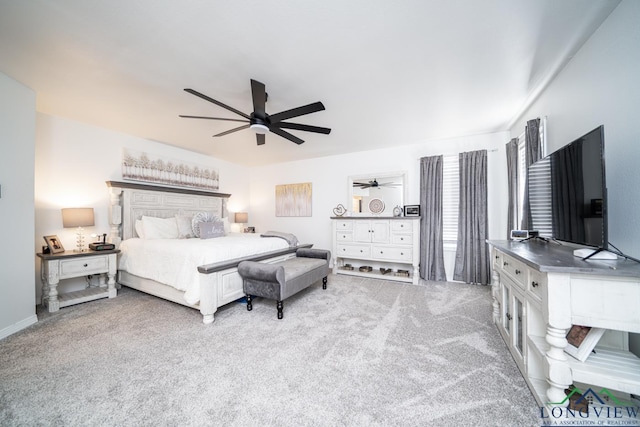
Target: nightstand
column 68, row 265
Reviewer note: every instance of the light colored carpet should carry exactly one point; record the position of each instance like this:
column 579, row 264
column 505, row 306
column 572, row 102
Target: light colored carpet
column 363, row 352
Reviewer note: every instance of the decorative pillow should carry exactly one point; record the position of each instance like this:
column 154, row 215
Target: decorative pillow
column 211, row 229
column 159, row 228
column 139, row 228
column 184, row 226
column 199, row 218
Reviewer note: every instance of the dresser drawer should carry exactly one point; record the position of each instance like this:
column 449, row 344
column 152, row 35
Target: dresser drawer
column 404, row 226
column 516, row 269
column 344, row 225
column 536, row 284
column 391, row 253
column 401, row 239
column 357, row 251
column 344, row 236
column 84, row 266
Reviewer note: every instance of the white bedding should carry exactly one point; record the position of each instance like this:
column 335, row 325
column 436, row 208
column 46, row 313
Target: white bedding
column 175, row 262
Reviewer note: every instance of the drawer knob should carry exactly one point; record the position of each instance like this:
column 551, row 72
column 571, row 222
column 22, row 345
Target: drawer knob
column 402, row 238
column 86, row 265
column 505, row 263
column 497, row 256
column 534, row 284
column 518, row 271
column 381, row 252
column 508, row 316
column 401, row 253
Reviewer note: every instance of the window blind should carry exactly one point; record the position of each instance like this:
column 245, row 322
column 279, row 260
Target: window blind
column 450, row 198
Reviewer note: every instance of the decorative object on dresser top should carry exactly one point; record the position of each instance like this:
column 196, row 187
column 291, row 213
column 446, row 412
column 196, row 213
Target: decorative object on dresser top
column 339, row 210
column 260, row 122
column 158, row 230
column 78, row 218
column 541, row 291
column 367, row 246
column 68, row 265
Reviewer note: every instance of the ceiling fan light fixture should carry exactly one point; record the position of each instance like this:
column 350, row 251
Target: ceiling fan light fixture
column 259, row 128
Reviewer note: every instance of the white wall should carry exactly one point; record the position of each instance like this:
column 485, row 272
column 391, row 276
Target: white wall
column 73, row 160
column 329, row 176
column 17, row 142
column 600, row 86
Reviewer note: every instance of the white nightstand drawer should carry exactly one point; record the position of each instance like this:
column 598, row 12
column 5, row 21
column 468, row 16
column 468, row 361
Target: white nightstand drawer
column 391, row 253
column 344, row 225
column 83, row 266
column 344, row 236
column 359, row 251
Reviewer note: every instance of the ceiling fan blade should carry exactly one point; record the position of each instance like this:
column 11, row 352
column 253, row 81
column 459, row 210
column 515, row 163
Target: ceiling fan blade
column 259, row 98
column 286, row 135
column 232, row 130
column 308, row 128
column 212, row 118
column 296, row 112
column 260, row 138
column 218, row 103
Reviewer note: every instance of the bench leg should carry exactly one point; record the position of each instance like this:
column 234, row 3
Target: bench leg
column 279, row 305
column 249, row 306
column 324, row 282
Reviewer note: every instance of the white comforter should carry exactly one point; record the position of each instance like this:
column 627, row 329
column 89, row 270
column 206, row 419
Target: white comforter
column 175, row 262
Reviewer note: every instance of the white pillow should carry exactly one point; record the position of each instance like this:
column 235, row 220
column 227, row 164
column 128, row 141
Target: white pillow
column 184, row 226
column 201, row 217
column 159, row 228
column 139, row 228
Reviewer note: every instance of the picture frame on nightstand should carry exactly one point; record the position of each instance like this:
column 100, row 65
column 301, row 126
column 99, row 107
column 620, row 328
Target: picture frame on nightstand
column 54, row 243
column 582, row 340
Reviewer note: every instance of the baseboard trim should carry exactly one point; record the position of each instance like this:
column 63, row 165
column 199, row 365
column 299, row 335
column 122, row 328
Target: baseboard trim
column 24, row 323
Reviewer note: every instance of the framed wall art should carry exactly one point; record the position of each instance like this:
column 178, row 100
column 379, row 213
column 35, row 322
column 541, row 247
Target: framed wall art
column 293, row 199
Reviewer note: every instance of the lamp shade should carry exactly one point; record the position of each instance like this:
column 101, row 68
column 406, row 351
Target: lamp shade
column 77, row 217
column 241, row 217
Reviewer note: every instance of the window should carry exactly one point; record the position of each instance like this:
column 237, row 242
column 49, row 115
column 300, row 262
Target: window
column 450, row 198
column 522, row 170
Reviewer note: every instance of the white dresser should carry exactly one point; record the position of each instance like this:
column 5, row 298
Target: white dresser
column 389, row 245
column 540, row 290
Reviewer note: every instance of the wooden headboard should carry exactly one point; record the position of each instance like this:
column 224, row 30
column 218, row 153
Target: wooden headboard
column 130, row 201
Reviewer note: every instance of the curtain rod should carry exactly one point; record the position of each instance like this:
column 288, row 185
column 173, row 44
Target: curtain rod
column 489, row 150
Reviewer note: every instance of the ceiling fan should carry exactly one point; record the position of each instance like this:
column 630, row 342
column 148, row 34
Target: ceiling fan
column 261, row 122
column 374, row 184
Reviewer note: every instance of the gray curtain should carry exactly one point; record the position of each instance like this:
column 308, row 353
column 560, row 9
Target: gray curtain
column 472, row 254
column 431, row 247
column 533, row 153
column 512, row 183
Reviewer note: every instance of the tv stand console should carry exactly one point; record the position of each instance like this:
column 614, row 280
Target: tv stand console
column 539, row 291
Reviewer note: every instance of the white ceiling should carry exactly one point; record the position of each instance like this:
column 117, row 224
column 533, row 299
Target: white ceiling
column 388, row 72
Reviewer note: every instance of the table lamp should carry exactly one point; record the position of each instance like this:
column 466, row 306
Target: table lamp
column 78, row 217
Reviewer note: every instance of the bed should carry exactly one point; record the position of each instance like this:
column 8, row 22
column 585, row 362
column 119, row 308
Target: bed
column 195, row 272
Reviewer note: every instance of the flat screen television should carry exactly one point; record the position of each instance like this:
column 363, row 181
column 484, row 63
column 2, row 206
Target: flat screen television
column 568, row 193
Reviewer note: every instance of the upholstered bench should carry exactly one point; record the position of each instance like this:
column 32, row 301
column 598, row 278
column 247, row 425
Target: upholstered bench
column 280, row 280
